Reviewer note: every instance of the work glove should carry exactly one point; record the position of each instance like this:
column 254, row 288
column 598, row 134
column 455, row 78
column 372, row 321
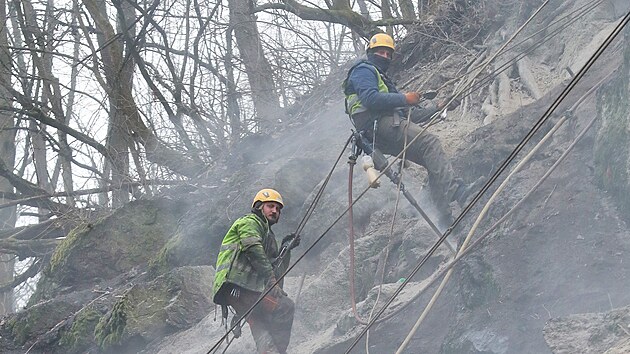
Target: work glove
column 276, row 291
column 429, row 95
column 287, row 239
column 412, row 98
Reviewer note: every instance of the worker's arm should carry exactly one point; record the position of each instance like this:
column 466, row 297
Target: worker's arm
column 250, row 239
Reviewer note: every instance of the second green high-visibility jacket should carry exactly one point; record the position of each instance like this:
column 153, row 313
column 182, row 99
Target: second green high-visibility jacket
column 245, row 256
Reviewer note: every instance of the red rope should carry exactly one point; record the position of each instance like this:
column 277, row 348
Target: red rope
column 351, row 241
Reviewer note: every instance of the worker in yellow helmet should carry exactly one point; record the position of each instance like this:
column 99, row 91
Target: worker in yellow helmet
column 247, row 265
column 377, row 109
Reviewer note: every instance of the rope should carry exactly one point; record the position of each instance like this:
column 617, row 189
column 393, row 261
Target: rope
column 403, row 152
column 391, row 232
column 391, row 228
column 352, row 162
column 477, row 242
column 503, row 166
column 351, row 246
column 320, row 192
column 467, row 240
column 464, row 252
column 489, row 60
column 488, row 78
column 583, row 10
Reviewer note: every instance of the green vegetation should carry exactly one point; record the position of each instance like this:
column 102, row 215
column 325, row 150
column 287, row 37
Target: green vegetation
column 81, row 333
column 109, row 330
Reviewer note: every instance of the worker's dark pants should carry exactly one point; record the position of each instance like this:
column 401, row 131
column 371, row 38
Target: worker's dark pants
column 426, row 151
column 270, row 321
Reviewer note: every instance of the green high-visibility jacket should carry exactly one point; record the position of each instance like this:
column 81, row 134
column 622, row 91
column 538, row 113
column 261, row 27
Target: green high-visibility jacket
column 245, row 256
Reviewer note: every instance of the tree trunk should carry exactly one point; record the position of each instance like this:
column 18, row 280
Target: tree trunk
column 259, row 73
column 7, row 154
column 407, row 11
column 65, row 151
column 233, row 109
column 126, row 123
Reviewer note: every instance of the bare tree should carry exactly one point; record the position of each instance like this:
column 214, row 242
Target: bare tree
column 264, row 95
column 7, row 155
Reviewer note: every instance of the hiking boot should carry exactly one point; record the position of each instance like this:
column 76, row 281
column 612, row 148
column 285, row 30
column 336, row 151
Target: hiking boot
column 465, row 191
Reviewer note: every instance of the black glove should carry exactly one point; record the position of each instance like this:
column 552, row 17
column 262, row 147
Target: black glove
column 455, row 102
column 429, row 95
column 288, row 238
column 420, row 115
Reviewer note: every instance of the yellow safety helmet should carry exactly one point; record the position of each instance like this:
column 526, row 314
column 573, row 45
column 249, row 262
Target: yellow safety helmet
column 381, row 40
column 267, row 195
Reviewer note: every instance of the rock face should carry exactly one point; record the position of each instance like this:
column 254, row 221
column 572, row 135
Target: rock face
column 97, row 252
column 612, row 147
column 139, row 279
column 148, row 311
column 590, row 333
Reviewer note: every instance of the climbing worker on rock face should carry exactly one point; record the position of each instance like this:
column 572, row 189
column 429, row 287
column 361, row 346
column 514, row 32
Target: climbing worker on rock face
column 375, row 105
column 245, row 269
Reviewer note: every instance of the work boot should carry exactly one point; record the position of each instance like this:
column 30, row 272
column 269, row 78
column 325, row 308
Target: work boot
column 465, row 191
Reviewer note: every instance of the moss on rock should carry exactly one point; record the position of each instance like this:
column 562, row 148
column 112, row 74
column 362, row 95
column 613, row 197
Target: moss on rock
column 477, row 285
column 38, row 320
column 62, row 252
column 114, row 244
column 175, row 300
column 81, row 333
column 110, row 328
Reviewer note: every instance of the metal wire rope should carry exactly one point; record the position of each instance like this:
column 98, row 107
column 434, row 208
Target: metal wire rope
column 310, row 210
column 582, row 11
column 477, row 242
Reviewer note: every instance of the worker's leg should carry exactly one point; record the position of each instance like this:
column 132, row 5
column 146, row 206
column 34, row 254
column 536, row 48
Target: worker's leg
column 281, row 310
column 427, row 151
column 258, row 319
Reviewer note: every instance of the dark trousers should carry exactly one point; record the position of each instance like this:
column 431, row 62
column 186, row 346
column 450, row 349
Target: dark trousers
column 270, row 321
column 426, row 151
